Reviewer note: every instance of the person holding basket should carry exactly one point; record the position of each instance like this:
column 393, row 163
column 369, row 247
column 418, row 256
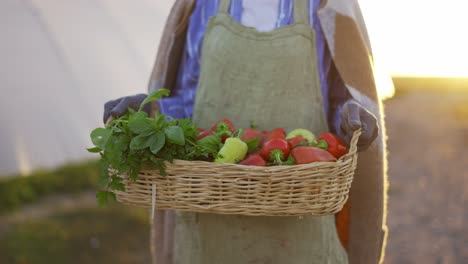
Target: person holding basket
column 280, row 63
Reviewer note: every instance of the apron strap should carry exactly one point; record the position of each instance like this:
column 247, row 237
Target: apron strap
column 224, row 6
column 301, row 12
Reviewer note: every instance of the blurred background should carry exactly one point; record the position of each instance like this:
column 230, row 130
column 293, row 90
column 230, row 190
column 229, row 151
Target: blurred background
column 61, row 60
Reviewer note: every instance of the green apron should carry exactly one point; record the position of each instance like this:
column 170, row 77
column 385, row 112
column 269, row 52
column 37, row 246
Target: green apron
column 270, row 78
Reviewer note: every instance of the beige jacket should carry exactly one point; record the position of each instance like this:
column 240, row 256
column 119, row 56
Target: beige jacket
column 346, row 35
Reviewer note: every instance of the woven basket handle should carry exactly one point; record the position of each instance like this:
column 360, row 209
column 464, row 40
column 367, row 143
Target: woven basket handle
column 354, row 141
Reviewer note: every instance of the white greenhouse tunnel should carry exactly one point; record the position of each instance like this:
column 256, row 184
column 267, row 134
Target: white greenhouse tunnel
column 62, row 59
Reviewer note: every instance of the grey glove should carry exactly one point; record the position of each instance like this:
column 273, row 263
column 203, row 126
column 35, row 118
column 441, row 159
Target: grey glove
column 119, row 107
column 353, row 117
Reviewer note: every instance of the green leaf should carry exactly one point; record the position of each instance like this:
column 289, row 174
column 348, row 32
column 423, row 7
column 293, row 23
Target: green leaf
column 210, row 144
column 140, row 124
column 94, row 150
column 99, row 137
column 133, row 173
column 117, row 143
column 160, row 120
column 175, row 135
column 322, row 144
column 289, row 161
column 116, row 129
column 122, row 142
column 190, row 131
column 158, row 141
column 104, row 197
column 161, row 167
column 116, row 184
column 140, row 142
column 103, row 181
column 156, row 95
column 252, row 144
column 116, row 148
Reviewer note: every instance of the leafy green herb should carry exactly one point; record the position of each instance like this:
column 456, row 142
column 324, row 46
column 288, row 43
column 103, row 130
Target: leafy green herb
column 94, row 150
column 210, row 146
column 158, row 94
column 99, row 137
column 135, row 141
column 159, row 139
column 175, row 135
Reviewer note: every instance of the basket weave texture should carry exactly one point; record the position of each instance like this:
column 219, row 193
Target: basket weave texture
column 319, row 188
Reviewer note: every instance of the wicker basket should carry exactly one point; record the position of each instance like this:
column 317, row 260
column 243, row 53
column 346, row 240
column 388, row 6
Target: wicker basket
column 319, row 188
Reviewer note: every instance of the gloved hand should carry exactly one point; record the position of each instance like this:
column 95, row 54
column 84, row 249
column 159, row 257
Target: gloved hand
column 353, row 117
column 119, row 107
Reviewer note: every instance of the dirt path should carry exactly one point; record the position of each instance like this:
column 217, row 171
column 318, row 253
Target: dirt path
column 428, row 168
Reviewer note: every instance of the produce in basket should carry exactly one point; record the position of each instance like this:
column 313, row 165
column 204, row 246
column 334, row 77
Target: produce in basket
column 275, row 150
column 305, row 155
column 251, row 134
column 224, row 128
column 335, row 145
column 204, row 133
column 303, row 133
column 297, row 141
column 135, row 141
column 233, row 151
column 254, row 159
column 275, row 133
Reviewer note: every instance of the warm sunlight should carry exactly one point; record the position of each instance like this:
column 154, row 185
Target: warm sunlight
column 418, row 38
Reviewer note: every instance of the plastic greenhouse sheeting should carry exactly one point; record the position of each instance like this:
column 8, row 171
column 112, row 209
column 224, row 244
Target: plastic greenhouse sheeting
column 60, row 61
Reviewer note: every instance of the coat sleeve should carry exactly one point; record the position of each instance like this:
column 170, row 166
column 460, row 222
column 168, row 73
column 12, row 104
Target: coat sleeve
column 347, row 39
column 181, row 102
column 171, row 46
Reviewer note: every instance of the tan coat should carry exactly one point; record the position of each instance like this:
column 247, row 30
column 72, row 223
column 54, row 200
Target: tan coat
column 347, row 39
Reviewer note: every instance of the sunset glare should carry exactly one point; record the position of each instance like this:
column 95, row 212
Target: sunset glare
column 419, row 38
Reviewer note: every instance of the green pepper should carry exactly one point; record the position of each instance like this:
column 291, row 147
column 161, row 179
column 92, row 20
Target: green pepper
column 233, row 151
column 307, row 134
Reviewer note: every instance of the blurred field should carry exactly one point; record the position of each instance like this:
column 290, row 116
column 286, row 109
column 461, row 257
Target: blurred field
column 75, row 232
column 52, row 217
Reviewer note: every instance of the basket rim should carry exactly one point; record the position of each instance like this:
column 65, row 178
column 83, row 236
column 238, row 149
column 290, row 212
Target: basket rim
column 238, row 167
